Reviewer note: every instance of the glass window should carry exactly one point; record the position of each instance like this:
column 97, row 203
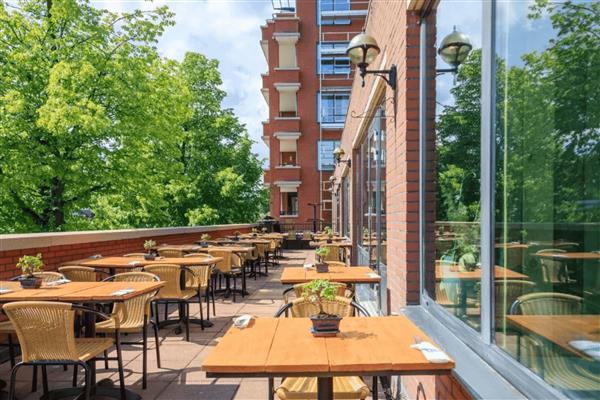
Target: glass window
column 325, row 149
column 453, row 264
column 289, row 203
column 547, row 281
column 334, row 5
column 333, row 107
column 332, row 58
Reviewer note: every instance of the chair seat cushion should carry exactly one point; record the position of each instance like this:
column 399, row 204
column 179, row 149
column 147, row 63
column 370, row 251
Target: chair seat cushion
column 88, row 348
column 344, row 387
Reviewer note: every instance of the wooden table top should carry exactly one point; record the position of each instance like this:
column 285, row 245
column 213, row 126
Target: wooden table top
column 136, row 262
column 589, row 255
column 500, row 273
column 285, row 347
column 560, row 329
column 193, row 248
column 183, row 247
column 77, row 292
column 357, row 274
column 334, row 244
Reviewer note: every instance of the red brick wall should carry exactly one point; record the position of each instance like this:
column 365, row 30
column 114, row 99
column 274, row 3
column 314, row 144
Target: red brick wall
column 53, row 256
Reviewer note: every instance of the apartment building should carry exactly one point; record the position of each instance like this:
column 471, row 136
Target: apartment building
column 307, row 88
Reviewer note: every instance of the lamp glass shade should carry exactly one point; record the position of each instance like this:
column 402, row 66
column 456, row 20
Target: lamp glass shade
column 338, row 153
column 362, row 49
column 455, row 48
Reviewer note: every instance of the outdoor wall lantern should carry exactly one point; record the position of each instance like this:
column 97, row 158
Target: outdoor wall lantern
column 454, row 50
column 338, row 154
column 362, row 50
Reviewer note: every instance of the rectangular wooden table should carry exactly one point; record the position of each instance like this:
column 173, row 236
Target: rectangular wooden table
column 358, row 274
column 285, row 347
column 560, row 329
column 114, row 263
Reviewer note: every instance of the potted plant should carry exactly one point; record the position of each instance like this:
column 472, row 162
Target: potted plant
column 324, row 324
column 204, row 240
column 264, row 229
column 148, row 246
column 254, row 232
column 236, row 235
column 322, row 253
column 30, row 265
column 329, row 233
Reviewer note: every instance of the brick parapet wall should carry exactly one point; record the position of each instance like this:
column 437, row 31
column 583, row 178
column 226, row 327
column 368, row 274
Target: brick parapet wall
column 57, row 248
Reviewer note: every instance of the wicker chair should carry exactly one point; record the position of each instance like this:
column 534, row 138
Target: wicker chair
column 230, row 267
column 80, row 274
column 554, row 272
column 547, row 304
column 344, row 387
column 201, row 280
column 133, row 316
column 298, row 289
column 45, row 331
column 173, row 293
column 334, row 253
column 170, row 252
column 47, row 276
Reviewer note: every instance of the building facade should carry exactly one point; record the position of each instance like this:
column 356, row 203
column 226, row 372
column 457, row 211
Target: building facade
column 474, row 192
column 307, row 89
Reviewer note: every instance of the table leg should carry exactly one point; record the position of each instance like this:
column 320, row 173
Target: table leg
column 325, row 388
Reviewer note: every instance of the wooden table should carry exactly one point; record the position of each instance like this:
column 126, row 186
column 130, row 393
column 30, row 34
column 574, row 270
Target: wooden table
column 114, row 263
column 357, row 274
column 285, row 347
column 442, row 274
column 560, row 329
column 186, row 248
column 89, row 293
column 569, row 256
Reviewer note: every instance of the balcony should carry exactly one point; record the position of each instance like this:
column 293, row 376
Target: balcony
column 287, row 173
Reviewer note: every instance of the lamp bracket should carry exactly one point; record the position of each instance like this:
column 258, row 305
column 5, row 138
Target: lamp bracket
column 441, row 71
column 388, row 75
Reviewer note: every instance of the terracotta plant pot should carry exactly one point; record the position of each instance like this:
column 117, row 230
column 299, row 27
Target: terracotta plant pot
column 322, row 267
column 149, row 257
column 325, row 324
column 30, row 282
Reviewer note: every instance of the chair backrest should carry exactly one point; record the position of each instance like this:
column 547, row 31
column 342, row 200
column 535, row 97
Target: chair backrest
column 341, row 289
column 507, row 292
column 550, row 268
column 342, row 306
column 76, row 273
column 198, row 255
column 135, row 255
column 306, row 235
column 45, row 329
column 225, row 264
column 336, row 264
column 132, row 311
column 262, row 249
column 171, row 275
column 170, row 252
column 547, row 303
column 236, row 260
column 199, row 277
column 334, row 253
column 49, row 276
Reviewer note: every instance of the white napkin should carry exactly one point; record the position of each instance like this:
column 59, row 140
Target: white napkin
column 122, row 292
column 3, row 291
column 307, row 266
column 588, row 347
column 95, row 256
column 242, row 321
column 58, row 282
column 431, row 353
column 373, row 275
column 134, row 263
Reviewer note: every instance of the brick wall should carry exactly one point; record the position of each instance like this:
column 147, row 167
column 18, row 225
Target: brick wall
column 76, row 245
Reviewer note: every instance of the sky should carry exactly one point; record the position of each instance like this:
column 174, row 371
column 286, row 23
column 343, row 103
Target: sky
column 226, row 30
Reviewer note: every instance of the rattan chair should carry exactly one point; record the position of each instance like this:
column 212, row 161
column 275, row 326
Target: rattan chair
column 170, row 252
column 344, row 387
column 334, row 253
column 80, row 274
column 45, row 331
column 298, row 289
column 135, row 255
column 47, row 276
column 133, row 316
column 231, row 268
column 554, row 272
column 172, row 292
column 547, row 304
column 201, row 281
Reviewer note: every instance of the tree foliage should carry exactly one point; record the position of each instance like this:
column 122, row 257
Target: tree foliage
column 92, row 117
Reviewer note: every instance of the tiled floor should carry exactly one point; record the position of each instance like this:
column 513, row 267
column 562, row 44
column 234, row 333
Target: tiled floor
column 180, row 376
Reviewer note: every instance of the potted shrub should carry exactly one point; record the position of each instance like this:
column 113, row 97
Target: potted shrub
column 322, row 253
column 148, row 246
column 30, row 265
column 324, row 324
column 236, row 235
column 329, row 233
column 204, row 238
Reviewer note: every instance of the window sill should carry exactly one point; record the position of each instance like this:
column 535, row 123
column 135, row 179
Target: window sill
column 288, row 216
column 287, row 118
column 485, row 371
column 287, row 166
column 329, row 125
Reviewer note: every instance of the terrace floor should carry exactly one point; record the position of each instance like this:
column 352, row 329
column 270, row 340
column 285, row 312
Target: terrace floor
column 180, row 376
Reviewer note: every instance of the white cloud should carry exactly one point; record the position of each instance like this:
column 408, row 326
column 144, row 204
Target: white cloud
column 227, row 30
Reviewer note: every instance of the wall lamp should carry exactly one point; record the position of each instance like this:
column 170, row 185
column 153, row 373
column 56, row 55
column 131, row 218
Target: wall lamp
column 454, row 50
column 338, row 154
column 362, row 50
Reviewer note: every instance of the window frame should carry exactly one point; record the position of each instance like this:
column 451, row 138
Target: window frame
column 334, row 123
column 480, row 342
column 336, row 143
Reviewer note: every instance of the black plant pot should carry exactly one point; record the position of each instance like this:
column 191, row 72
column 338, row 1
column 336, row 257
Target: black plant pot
column 31, row 282
column 149, row 257
column 329, row 240
column 322, row 267
column 325, row 324
column 203, row 244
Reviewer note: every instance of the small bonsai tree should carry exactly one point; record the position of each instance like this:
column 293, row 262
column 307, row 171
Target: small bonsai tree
column 322, row 253
column 149, row 245
column 30, row 265
column 205, row 237
column 318, row 290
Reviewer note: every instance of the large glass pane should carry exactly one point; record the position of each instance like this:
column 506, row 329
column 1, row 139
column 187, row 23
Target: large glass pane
column 453, row 270
column 547, row 290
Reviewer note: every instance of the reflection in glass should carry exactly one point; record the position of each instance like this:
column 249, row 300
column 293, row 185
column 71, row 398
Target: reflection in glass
column 548, row 191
